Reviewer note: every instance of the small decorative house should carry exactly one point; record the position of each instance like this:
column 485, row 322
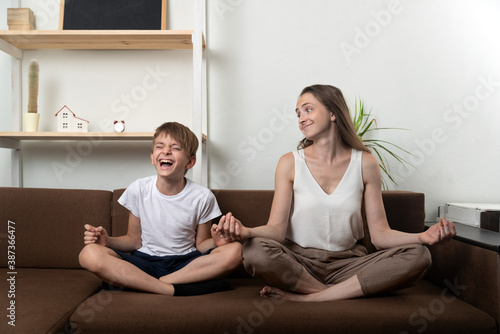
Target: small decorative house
column 68, row 122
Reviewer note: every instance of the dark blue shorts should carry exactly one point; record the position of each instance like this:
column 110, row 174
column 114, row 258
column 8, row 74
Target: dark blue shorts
column 158, row 266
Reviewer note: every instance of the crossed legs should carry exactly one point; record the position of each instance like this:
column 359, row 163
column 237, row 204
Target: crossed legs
column 306, row 274
column 220, row 262
column 108, row 266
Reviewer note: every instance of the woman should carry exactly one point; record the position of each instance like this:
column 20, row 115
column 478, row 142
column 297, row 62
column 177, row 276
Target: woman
column 308, row 250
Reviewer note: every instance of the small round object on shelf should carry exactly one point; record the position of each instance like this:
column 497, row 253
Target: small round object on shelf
column 119, row 126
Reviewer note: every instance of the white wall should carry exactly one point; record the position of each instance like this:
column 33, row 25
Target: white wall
column 412, row 61
column 421, row 65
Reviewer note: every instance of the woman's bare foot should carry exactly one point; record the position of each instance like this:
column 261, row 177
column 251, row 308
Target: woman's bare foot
column 347, row 289
column 269, row 291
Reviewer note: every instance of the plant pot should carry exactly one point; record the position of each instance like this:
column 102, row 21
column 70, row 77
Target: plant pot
column 31, row 122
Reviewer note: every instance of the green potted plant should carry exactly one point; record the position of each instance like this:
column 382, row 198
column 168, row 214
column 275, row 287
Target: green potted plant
column 364, row 124
column 31, row 118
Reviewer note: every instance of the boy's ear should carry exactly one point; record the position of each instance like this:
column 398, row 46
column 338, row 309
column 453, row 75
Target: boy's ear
column 152, row 162
column 191, row 162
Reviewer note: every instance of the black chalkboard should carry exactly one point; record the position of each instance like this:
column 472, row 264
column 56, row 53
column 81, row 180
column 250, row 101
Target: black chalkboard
column 113, row 14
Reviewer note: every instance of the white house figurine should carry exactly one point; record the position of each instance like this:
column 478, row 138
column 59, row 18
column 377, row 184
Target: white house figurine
column 68, row 122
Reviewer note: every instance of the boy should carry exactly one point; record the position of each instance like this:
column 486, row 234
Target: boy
column 169, row 235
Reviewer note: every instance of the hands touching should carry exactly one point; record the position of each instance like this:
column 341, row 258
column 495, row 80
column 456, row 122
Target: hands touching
column 438, row 233
column 95, row 235
column 219, row 240
column 231, row 229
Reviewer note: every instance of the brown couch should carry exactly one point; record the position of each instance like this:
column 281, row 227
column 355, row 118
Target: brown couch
column 52, row 294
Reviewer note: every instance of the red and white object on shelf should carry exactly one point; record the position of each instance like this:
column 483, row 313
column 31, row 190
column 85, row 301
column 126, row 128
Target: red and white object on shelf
column 119, row 126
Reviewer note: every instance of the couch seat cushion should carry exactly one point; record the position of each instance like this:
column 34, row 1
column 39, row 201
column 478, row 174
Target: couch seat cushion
column 423, row 308
column 45, row 298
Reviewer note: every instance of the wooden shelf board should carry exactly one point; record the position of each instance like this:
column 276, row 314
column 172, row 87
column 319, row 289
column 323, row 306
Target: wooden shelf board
column 80, row 135
column 98, row 39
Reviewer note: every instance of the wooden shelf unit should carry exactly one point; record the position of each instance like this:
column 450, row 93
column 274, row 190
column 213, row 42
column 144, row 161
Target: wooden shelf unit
column 13, row 42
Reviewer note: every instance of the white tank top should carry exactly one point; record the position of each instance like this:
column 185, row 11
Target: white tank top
column 330, row 222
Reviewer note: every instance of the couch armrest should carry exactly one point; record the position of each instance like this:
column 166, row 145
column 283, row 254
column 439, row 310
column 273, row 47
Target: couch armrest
column 470, row 272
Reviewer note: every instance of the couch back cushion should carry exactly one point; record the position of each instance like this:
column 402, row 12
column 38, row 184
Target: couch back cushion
column 405, row 209
column 119, row 215
column 251, row 207
column 48, row 224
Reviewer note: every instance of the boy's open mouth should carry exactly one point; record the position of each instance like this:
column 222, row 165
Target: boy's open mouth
column 166, row 163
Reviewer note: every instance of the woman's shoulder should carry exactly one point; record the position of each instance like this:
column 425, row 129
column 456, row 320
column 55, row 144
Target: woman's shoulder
column 287, row 159
column 370, row 166
column 369, row 160
column 286, row 164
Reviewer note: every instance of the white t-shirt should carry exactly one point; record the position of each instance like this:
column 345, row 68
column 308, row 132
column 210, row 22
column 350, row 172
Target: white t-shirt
column 333, row 221
column 169, row 223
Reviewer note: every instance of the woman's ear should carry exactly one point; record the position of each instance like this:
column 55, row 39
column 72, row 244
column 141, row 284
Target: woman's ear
column 332, row 117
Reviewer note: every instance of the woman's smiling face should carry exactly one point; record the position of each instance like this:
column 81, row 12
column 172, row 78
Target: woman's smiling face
column 313, row 116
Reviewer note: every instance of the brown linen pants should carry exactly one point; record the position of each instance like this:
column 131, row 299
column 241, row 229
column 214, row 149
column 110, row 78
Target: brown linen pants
column 281, row 265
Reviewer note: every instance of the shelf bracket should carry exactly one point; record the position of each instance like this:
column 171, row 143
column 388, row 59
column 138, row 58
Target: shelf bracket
column 16, row 160
column 11, row 49
column 10, row 143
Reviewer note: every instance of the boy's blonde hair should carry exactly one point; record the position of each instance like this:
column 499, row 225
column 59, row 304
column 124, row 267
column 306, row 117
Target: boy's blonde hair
column 186, row 138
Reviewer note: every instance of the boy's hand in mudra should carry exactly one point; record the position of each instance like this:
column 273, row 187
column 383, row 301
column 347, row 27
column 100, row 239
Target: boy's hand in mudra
column 95, row 235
